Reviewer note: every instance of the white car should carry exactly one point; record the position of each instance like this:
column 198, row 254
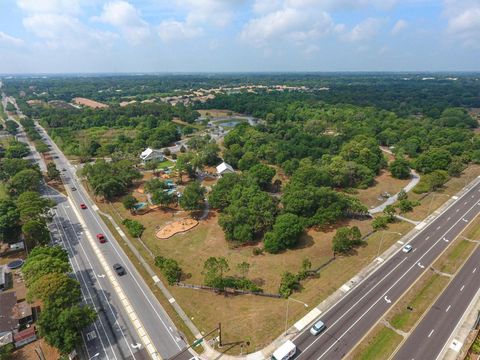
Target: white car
column 317, row 328
column 407, row 248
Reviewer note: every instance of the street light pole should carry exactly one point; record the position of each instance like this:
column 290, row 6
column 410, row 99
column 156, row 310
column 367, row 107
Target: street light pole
column 286, row 313
column 381, row 239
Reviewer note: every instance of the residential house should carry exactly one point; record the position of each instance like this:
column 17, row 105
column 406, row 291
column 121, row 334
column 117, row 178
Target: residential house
column 224, row 168
column 151, row 154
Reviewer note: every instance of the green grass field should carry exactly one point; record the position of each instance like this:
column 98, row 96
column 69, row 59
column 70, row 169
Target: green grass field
column 380, row 346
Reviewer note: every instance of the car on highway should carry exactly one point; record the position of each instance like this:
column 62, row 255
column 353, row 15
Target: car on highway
column 83, row 206
column 101, row 238
column 73, row 188
column 64, row 169
column 317, row 328
column 407, row 248
column 119, row 269
column 55, row 157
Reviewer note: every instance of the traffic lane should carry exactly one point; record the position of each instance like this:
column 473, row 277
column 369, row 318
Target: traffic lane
column 427, row 258
column 93, row 344
column 430, row 336
column 168, row 343
column 122, row 334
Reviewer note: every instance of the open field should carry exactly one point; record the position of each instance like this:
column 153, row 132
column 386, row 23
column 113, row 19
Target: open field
column 384, row 182
column 89, row 103
column 104, row 135
column 213, row 113
column 249, row 317
column 378, row 345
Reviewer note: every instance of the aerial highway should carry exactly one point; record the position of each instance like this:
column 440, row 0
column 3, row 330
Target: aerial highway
column 434, row 332
column 131, row 323
column 352, row 317
column 135, row 303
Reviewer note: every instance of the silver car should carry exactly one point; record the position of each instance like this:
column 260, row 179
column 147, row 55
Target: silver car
column 317, row 328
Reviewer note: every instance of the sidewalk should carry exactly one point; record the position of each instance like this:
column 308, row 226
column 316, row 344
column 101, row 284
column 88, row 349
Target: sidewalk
column 464, row 334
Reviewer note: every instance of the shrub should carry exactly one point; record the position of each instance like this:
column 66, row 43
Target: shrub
column 169, row 268
column 288, row 284
column 257, row 251
column 380, row 222
column 134, row 227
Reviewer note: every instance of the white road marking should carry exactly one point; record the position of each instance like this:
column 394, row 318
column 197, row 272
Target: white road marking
column 445, row 239
column 428, row 237
column 414, row 249
column 449, row 218
column 421, row 266
column 465, row 203
column 463, row 286
column 387, row 299
column 473, row 272
column 465, row 220
column 438, row 227
column 136, row 345
column 431, row 332
column 359, row 318
column 448, row 308
column 457, row 210
column 101, row 276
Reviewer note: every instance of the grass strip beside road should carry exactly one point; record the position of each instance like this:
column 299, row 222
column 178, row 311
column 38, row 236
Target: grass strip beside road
column 378, row 346
column 420, row 297
column 456, row 256
column 156, row 291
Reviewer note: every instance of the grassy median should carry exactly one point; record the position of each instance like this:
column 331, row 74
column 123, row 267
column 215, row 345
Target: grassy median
column 378, row 346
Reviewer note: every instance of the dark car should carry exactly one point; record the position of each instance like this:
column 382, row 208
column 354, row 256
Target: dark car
column 119, row 269
column 55, row 157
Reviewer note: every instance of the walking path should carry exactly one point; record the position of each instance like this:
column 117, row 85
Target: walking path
column 413, row 182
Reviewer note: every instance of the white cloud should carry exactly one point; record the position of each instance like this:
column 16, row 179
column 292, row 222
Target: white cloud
column 265, row 6
column 10, row 40
column 176, row 30
column 399, row 26
column 64, row 31
column 364, row 31
column 124, row 16
column 50, row 6
column 463, row 21
column 289, row 23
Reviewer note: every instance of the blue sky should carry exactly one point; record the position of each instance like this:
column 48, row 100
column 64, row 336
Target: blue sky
column 52, row 36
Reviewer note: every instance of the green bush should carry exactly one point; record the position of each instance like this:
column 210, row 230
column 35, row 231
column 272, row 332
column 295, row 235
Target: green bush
column 288, row 284
column 134, row 227
column 169, row 268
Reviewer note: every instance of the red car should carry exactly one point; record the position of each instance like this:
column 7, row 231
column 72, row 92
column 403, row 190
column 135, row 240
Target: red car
column 101, row 238
column 83, row 206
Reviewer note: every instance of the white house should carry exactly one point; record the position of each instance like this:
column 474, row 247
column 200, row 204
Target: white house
column 151, row 154
column 224, row 168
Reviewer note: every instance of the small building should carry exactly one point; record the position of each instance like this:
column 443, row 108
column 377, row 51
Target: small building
column 151, row 154
column 224, row 168
column 25, row 337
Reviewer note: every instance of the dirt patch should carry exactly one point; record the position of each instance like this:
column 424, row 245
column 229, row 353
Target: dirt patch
column 89, row 103
column 27, row 352
column 176, row 227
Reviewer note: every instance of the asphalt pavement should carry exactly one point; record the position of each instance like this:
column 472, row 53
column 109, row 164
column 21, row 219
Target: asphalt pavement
column 433, row 333
column 131, row 323
column 352, row 317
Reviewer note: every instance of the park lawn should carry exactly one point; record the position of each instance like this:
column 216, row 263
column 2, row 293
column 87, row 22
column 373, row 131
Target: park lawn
column 251, row 318
column 384, row 182
column 378, row 345
column 421, row 296
column 431, row 202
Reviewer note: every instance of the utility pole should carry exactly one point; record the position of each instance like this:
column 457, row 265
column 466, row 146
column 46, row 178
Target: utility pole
column 220, row 334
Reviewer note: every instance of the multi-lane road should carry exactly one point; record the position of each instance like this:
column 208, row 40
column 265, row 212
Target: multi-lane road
column 352, row 317
column 434, row 332
column 131, row 323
